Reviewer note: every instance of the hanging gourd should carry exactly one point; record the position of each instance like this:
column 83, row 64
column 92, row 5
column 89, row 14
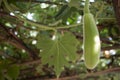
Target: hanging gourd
column 91, row 39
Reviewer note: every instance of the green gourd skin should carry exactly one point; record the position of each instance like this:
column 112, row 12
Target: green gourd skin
column 91, row 40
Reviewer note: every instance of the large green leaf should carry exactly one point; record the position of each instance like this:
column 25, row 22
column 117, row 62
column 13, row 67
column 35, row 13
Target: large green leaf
column 58, row 50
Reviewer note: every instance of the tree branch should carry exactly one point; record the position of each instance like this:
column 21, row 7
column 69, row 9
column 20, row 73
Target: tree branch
column 116, row 5
column 28, row 63
column 85, row 76
column 107, row 71
column 11, row 38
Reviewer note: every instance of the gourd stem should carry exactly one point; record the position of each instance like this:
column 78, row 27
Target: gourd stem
column 86, row 8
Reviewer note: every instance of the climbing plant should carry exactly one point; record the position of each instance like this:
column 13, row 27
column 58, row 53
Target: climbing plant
column 43, row 39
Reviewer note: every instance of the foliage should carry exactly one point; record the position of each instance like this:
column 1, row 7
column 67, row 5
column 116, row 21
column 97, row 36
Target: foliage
column 12, row 71
column 58, row 50
column 48, row 35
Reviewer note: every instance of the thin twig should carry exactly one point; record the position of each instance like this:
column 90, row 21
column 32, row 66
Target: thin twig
column 28, row 63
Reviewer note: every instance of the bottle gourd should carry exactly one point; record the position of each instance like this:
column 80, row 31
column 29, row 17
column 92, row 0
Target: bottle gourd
column 91, row 39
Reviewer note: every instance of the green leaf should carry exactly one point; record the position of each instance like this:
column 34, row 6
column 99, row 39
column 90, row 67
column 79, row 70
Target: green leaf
column 13, row 71
column 58, row 51
column 74, row 3
column 63, row 13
